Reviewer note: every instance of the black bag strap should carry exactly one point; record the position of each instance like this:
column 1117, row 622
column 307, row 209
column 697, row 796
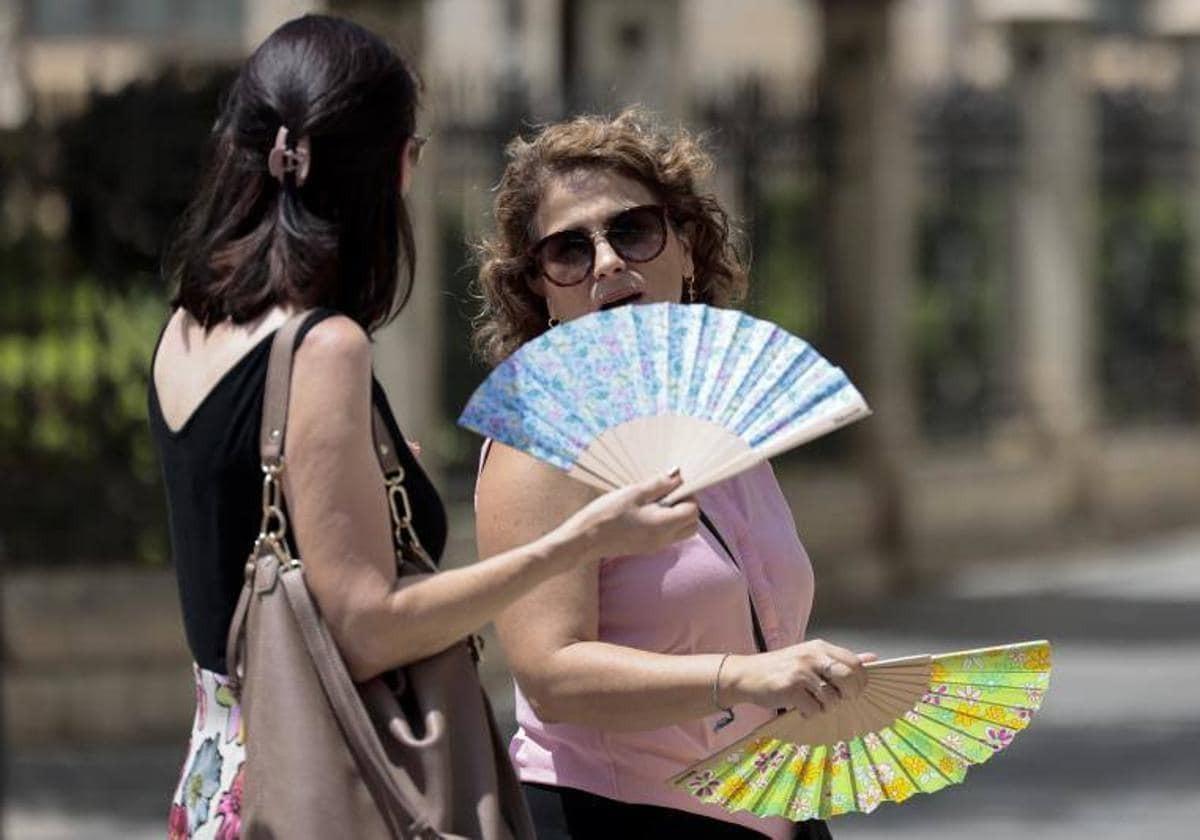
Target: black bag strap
column 759, row 639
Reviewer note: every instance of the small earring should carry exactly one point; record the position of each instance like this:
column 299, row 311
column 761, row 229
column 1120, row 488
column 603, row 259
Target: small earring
column 690, row 280
column 553, row 322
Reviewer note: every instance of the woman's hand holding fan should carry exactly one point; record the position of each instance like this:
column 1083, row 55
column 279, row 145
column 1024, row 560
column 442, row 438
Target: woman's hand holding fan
column 627, row 520
column 811, row 677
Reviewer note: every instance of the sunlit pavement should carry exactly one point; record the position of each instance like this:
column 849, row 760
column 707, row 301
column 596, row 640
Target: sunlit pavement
column 1115, row 750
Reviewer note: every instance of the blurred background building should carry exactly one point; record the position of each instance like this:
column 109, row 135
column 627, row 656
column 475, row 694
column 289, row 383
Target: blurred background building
column 988, row 211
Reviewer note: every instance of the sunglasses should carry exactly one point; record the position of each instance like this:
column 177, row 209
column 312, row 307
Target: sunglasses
column 638, row 235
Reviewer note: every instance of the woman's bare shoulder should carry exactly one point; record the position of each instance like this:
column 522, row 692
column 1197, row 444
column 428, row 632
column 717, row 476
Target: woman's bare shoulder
column 330, row 398
column 336, row 340
column 511, row 478
column 191, row 359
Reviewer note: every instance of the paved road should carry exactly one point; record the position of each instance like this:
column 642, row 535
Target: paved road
column 1115, row 750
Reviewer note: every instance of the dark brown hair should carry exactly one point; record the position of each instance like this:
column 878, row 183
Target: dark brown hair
column 671, row 164
column 247, row 241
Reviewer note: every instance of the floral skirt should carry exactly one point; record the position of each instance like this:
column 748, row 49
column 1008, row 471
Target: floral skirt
column 208, row 799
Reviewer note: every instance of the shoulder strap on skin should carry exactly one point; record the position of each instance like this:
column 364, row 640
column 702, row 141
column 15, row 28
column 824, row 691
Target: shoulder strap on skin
column 385, row 446
column 759, row 639
column 278, row 390
column 278, row 387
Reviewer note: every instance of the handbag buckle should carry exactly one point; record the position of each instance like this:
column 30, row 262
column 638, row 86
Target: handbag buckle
column 272, row 531
column 402, row 520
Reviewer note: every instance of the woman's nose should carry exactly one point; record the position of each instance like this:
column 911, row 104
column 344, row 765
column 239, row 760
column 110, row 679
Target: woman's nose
column 608, row 261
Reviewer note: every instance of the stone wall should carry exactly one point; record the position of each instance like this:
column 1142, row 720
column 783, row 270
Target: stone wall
column 94, row 656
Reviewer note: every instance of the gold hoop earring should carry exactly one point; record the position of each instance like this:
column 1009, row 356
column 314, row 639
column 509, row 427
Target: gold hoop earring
column 690, row 280
column 553, row 322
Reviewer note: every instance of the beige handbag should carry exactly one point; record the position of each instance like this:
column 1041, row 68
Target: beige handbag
column 413, row 753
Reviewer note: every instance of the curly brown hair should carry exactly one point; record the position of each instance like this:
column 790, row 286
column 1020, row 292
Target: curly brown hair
column 671, row 163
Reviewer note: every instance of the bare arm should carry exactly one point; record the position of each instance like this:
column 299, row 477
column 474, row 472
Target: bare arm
column 343, row 531
column 550, row 635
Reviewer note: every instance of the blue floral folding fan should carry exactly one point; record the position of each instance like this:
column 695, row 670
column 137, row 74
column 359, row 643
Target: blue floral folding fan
column 625, row 394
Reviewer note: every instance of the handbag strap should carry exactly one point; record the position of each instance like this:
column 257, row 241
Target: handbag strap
column 276, row 390
column 335, row 679
column 278, row 387
column 403, row 529
column 759, row 639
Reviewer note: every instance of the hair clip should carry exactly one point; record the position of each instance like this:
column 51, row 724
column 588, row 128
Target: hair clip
column 283, row 160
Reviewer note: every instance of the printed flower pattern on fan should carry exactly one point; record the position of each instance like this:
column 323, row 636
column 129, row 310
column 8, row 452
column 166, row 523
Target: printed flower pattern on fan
column 208, row 799
column 999, row 737
column 703, row 784
column 935, row 694
column 976, row 703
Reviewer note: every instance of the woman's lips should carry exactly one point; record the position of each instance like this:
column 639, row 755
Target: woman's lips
column 614, row 290
column 615, row 302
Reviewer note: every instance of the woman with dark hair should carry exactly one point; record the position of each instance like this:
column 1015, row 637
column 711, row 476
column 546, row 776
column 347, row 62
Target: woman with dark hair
column 630, row 668
column 301, row 209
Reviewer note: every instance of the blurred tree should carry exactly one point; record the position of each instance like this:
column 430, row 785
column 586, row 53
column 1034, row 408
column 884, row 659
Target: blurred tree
column 88, row 207
column 128, row 165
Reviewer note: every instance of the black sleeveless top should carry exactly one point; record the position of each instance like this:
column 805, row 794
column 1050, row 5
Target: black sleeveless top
column 211, row 469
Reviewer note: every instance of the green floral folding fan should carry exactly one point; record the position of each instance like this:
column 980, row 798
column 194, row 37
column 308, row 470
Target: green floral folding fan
column 916, row 727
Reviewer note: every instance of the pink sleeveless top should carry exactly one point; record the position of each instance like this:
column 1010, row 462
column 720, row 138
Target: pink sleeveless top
column 689, row 598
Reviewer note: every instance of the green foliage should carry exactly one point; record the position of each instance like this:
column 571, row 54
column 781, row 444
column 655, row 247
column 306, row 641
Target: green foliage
column 81, row 478
column 128, row 166
column 461, row 370
column 786, row 283
column 79, row 315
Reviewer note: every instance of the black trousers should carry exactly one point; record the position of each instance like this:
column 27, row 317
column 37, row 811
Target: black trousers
column 562, row 813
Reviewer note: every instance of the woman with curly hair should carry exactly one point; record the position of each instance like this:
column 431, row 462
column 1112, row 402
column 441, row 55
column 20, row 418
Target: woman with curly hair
column 630, row 668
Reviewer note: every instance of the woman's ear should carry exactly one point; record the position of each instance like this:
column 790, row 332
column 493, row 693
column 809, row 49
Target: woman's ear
column 407, row 164
column 685, row 235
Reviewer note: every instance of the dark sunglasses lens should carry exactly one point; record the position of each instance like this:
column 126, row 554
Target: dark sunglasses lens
column 639, row 234
column 566, row 258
